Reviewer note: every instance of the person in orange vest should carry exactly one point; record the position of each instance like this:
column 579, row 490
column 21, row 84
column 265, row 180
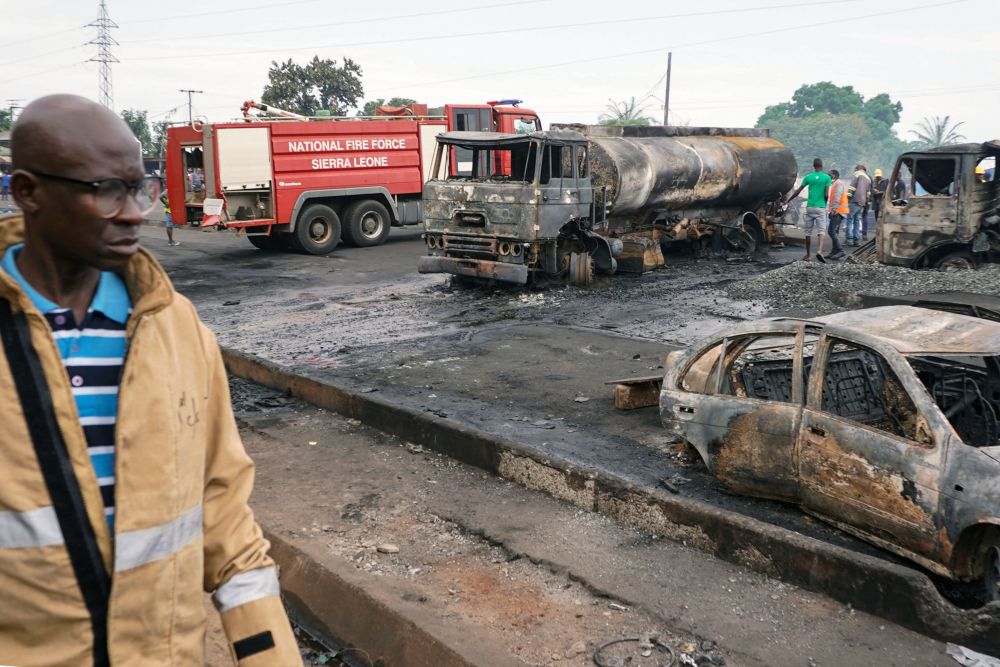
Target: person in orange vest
column 838, row 208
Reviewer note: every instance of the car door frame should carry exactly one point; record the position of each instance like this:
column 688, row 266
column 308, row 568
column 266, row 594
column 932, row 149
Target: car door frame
column 869, row 482
column 723, row 427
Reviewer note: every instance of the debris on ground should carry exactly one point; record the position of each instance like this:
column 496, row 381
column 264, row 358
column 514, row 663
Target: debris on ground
column 814, row 287
column 970, row 658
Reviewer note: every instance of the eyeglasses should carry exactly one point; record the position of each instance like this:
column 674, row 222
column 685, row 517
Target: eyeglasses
column 110, row 193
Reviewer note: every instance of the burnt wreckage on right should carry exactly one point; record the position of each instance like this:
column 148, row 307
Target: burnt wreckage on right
column 884, row 422
column 942, row 209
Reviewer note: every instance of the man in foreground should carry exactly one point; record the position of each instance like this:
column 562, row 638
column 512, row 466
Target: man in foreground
column 819, row 184
column 125, row 482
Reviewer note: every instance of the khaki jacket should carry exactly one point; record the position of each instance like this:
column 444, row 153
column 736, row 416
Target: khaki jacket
column 182, row 521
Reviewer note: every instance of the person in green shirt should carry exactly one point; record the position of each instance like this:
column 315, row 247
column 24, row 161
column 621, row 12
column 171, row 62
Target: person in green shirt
column 819, row 184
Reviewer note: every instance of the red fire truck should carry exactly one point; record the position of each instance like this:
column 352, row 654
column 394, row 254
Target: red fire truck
column 300, row 183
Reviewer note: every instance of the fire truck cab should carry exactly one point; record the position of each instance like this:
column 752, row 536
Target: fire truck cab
column 292, row 182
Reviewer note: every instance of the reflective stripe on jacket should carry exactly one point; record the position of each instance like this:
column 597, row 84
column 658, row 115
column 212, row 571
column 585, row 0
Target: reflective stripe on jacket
column 838, row 202
column 183, row 479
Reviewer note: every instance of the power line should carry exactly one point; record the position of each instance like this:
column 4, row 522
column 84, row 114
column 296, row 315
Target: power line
column 44, row 71
column 480, row 33
column 47, row 53
column 104, row 41
column 338, row 24
column 175, row 17
column 44, row 35
column 660, row 49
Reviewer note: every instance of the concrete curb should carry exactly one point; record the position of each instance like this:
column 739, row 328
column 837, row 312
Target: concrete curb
column 333, row 608
column 897, row 593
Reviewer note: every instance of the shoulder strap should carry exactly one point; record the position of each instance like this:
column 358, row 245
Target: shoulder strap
column 57, row 470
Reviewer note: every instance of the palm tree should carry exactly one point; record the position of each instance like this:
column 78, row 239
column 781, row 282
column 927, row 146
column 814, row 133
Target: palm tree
column 625, row 113
column 934, row 132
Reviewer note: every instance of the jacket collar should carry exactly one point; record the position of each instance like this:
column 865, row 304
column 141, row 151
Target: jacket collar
column 148, row 285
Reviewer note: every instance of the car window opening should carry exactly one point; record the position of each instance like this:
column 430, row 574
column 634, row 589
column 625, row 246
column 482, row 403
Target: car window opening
column 761, row 368
column 967, row 390
column 700, row 373
column 859, row 385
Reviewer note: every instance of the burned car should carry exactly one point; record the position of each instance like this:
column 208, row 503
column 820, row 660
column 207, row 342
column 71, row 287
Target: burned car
column 884, row 422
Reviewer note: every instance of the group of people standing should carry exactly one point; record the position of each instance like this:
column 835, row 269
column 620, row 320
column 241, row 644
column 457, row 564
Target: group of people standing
column 832, row 202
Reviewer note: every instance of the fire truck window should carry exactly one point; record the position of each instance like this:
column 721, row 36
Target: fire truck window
column 194, row 183
column 524, row 125
column 934, row 178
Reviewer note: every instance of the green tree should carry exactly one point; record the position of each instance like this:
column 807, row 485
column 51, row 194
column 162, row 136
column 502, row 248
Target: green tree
column 5, row 122
column 371, row 105
column 319, row 84
column 937, row 131
column 160, row 138
column 138, row 122
column 838, row 125
column 625, row 113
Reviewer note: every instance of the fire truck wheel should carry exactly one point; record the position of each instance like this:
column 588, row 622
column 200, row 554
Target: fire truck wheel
column 367, row 223
column 317, row 231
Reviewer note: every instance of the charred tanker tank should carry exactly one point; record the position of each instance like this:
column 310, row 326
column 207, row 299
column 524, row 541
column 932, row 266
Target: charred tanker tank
column 578, row 198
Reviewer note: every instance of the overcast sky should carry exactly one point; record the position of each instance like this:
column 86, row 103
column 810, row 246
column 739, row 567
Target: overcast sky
column 564, row 58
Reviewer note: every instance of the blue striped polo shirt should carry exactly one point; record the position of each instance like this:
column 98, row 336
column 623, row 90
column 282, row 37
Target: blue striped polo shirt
column 92, row 354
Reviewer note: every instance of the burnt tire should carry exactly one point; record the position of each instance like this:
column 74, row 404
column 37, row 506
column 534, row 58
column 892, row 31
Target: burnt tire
column 367, row 224
column 317, row 230
column 959, row 260
column 273, row 242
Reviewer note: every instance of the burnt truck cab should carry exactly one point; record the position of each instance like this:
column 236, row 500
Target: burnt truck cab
column 942, row 209
column 499, row 211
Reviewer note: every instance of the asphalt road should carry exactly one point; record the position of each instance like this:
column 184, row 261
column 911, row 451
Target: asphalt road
column 527, row 364
column 511, row 576
column 530, row 365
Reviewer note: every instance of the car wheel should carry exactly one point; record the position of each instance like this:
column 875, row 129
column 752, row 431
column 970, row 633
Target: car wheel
column 367, row 225
column 960, row 260
column 272, row 242
column 317, row 230
column 991, row 570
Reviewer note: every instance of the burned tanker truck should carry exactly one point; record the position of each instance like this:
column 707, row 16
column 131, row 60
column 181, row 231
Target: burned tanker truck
column 578, row 199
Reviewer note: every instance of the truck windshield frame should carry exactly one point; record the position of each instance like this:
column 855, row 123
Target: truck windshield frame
column 488, row 160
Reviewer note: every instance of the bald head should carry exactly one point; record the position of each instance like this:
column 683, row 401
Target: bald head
column 63, row 147
column 71, row 135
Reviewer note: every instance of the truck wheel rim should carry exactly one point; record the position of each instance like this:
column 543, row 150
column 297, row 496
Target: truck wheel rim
column 993, row 573
column 372, row 225
column 319, row 230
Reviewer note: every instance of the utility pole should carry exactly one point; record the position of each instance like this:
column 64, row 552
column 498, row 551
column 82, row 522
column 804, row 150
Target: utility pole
column 104, row 41
column 14, row 105
column 189, row 94
column 666, row 95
